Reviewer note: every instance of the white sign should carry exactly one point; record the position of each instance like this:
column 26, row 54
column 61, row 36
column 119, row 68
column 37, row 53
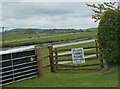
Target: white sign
column 78, row 56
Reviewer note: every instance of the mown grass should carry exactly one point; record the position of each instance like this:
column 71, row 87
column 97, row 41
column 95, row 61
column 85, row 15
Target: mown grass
column 73, row 78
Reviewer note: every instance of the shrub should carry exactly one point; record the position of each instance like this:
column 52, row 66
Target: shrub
column 109, row 35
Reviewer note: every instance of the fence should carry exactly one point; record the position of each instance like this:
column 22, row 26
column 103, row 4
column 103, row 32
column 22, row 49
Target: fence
column 18, row 65
column 55, row 60
column 21, row 65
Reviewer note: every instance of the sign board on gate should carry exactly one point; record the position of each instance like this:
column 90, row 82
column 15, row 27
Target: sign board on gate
column 78, row 56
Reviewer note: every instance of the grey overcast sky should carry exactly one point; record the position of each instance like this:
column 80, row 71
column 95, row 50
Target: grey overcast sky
column 47, row 15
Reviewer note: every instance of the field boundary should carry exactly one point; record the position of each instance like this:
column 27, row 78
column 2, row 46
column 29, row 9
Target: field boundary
column 54, row 58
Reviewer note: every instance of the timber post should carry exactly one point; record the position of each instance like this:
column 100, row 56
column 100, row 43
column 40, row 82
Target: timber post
column 97, row 48
column 51, row 58
column 101, row 61
column 56, row 57
column 39, row 61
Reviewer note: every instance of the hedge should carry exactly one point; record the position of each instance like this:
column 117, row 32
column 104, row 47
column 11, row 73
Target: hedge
column 109, row 36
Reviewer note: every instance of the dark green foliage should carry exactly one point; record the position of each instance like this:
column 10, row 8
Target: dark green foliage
column 109, row 35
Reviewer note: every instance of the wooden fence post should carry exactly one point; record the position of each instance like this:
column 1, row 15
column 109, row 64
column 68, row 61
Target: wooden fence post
column 97, row 48
column 56, row 57
column 51, row 58
column 101, row 61
column 39, row 61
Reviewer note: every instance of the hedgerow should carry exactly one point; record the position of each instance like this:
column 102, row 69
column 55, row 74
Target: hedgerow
column 109, row 35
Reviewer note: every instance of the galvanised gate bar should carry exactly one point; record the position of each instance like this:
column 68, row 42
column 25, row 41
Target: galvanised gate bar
column 18, row 64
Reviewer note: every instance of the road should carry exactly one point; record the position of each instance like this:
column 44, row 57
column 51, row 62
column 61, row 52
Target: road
column 73, row 43
column 17, row 49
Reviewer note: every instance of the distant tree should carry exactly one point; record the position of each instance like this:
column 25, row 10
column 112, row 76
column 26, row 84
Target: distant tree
column 88, row 30
column 80, row 30
column 29, row 31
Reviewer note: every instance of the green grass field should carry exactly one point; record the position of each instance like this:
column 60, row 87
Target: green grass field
column 73, row 78
column 11, row 37
column 22, row 40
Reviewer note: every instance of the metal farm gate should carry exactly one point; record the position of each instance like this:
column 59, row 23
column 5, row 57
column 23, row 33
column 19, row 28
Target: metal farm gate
column 17, row 66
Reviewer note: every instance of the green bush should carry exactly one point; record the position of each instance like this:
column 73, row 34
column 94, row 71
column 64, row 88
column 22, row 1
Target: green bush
column 108, row 36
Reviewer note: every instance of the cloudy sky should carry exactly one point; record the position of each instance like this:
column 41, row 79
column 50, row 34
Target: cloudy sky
column 47, row 15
